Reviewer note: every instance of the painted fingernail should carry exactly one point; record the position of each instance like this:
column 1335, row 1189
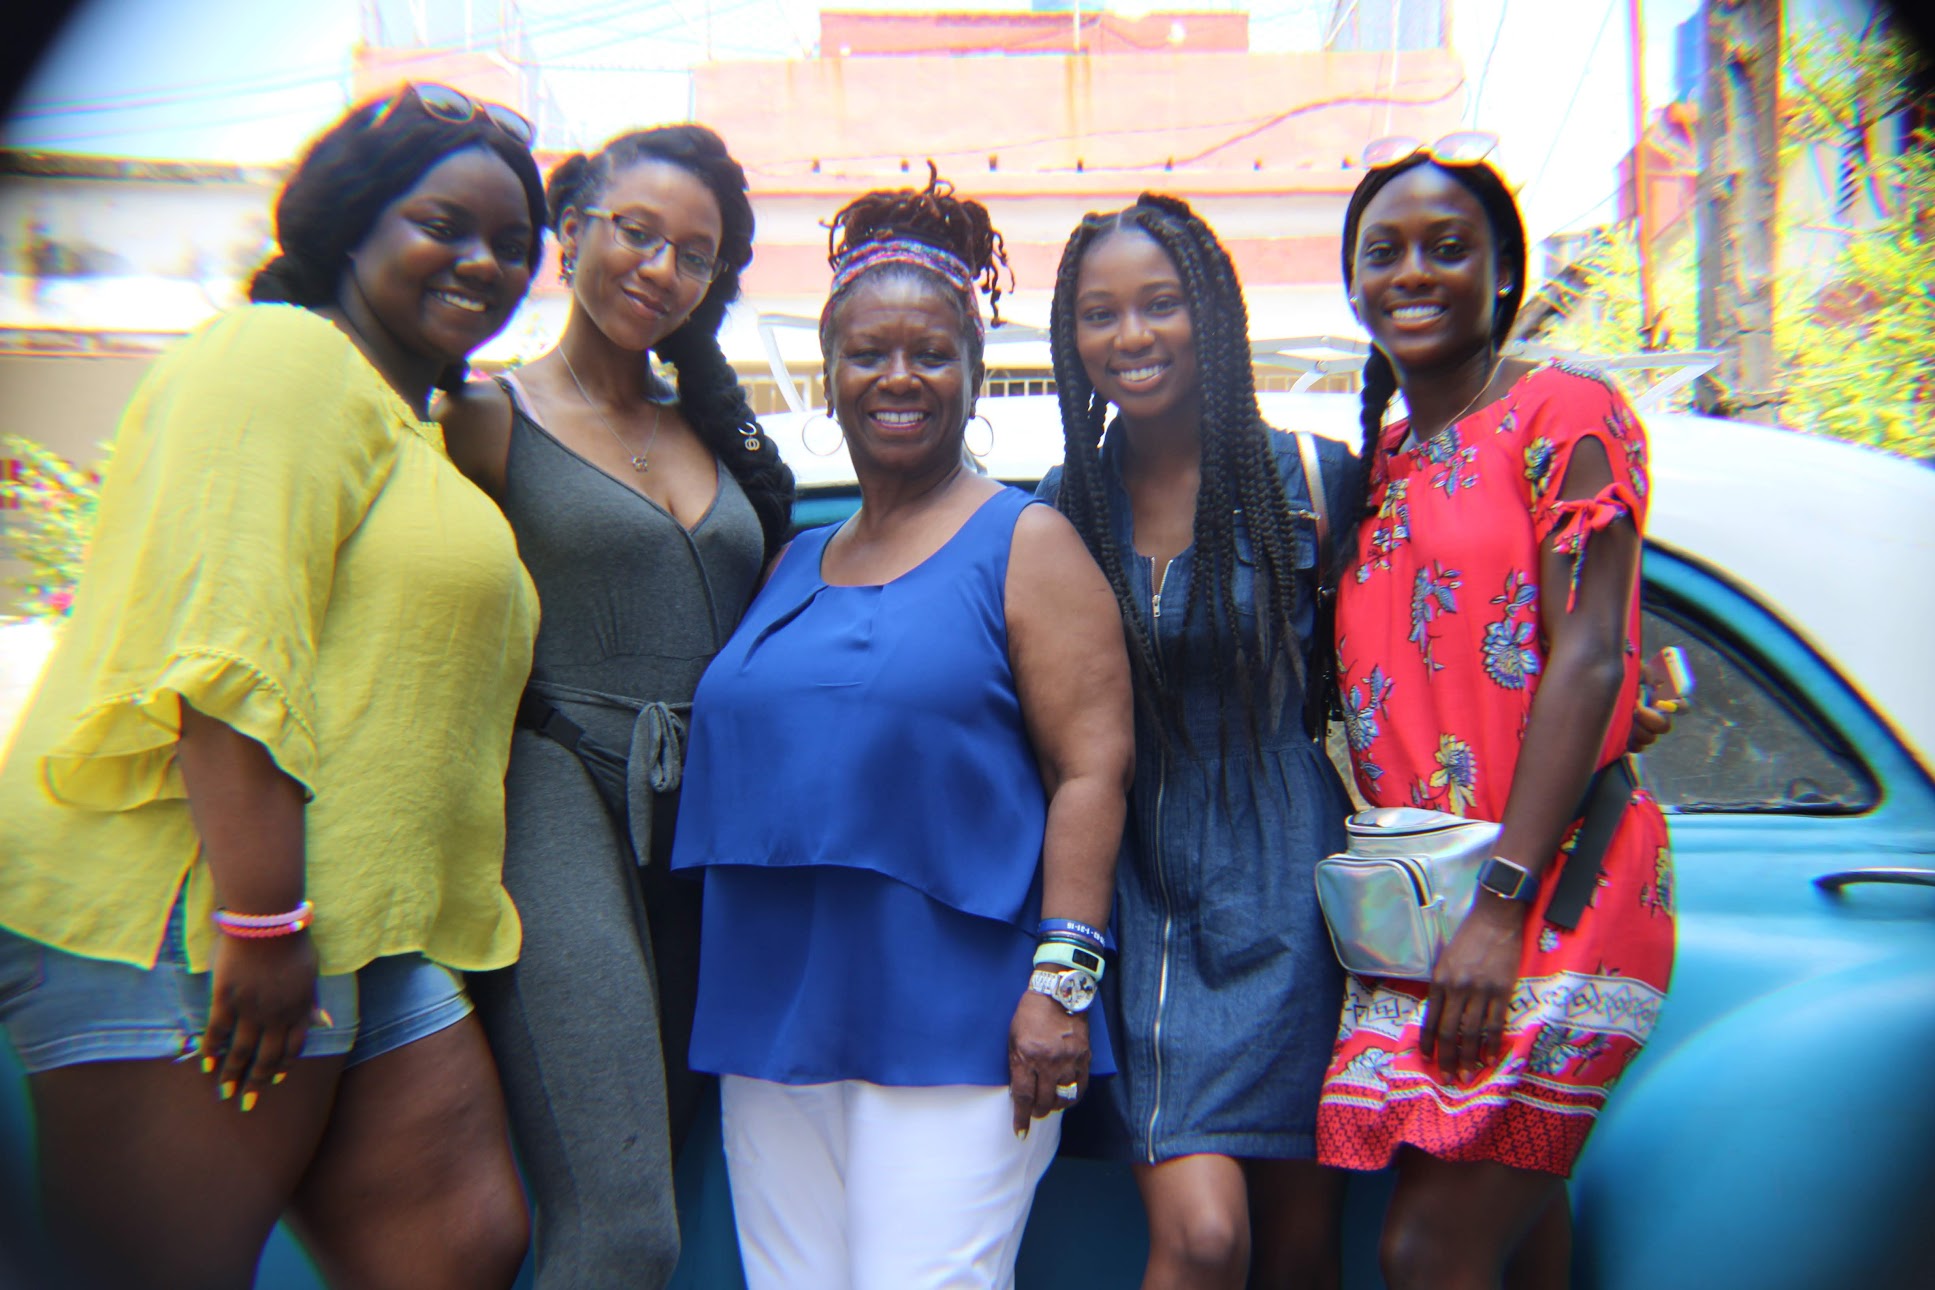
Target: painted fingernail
column 322, row 1015
column 208, row 1065
column 249, row 1100
column 226, row 1090
column 1022, row 1133
column 279, row 1077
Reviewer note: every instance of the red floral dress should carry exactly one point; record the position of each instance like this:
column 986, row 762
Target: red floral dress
column 1440, row 655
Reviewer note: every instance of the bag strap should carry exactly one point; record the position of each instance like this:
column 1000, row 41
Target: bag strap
column 1313, row 478
column 536, row 715
column 1606, row 798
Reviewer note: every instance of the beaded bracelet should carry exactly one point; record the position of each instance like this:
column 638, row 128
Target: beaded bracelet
column 252, row 927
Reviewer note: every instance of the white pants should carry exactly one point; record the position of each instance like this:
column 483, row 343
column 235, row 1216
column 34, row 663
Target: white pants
column 852, row 1186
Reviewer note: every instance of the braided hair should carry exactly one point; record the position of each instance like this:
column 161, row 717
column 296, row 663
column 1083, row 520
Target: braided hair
column 710, row 394
column 935, row 217
column 1238, row 469
column 348, row 178
column 1508, row 236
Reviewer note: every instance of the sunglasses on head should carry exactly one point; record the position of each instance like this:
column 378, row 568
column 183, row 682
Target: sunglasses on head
column 1461, row 148
column 457, row 107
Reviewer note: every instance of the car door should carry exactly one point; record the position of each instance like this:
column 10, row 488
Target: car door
column 1777, row 1129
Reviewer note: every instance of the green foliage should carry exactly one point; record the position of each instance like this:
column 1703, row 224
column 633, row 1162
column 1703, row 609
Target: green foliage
column 1855, row 336
column 50, row 530
column 1597, row 300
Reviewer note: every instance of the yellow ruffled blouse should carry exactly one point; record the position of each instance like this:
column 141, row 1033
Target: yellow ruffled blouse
column 282, row 543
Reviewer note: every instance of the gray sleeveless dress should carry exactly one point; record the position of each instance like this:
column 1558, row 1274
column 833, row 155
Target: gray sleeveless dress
column 590, row 1028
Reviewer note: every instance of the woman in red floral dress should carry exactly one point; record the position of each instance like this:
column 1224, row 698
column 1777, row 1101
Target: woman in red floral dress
column 1488, row 636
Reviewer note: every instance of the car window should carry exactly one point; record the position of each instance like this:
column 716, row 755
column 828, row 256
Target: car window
column 1745, row 745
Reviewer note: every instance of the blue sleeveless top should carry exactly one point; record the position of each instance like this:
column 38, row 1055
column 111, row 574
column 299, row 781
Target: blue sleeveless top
column 862, row 796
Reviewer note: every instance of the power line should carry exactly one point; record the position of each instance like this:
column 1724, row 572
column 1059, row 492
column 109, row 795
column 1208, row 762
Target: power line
column 172, row 95
column 1558, row 134
column 1478, row 99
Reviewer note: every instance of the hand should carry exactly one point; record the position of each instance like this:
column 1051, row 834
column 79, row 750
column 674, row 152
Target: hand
column 1649, row 722
column 1046, row 1047
column 1648, row 725
column 258, row 1016
column 1471, row 989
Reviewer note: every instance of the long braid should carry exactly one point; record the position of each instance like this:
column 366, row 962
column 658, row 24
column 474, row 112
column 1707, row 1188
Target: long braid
column 1084, row 496
column 715, row 404
column 1238, row 472
column 710, row 395
column 1380, row 384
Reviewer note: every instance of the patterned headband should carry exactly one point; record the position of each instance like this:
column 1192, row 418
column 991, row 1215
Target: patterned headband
column 906, row 250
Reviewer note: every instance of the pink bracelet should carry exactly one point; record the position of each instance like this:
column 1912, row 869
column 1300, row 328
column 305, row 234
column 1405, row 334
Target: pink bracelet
column 263, row 926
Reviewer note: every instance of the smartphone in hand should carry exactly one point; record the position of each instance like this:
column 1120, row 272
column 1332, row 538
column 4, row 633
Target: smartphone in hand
column 1670, row 681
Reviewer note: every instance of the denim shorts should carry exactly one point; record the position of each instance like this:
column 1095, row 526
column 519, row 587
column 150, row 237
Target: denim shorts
column 59, row 1009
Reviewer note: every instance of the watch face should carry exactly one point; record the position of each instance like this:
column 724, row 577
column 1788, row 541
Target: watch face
column 1075, row 991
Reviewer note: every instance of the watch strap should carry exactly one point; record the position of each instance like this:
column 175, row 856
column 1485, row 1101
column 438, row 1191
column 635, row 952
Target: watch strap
column 1072, row 988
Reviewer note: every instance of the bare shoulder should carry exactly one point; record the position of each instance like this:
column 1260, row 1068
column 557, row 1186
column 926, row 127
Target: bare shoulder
column 476, row 423
column 1048, row 559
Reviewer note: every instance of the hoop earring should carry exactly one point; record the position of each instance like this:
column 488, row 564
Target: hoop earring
column 971, row 450
column 807, row 444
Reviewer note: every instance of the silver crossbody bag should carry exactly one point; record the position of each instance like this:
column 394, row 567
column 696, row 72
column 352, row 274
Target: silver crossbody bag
column 1396, row 896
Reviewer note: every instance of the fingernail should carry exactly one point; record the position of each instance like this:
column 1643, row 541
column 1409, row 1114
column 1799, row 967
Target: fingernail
column 226, row 1091
column 1022, row 1133
column 279, row 1077
column 249, row 1100
column 208, row 1065
column 322, row 1015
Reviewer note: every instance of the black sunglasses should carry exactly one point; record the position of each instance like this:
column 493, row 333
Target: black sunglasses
column 457, row 107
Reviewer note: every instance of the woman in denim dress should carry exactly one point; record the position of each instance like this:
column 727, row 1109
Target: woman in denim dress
column 1224, row 999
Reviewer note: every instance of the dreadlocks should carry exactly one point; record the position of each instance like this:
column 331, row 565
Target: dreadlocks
column 934, row 217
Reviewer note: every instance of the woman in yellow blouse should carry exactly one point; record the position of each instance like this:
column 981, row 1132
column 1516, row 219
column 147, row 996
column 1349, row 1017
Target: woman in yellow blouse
column 255, row 813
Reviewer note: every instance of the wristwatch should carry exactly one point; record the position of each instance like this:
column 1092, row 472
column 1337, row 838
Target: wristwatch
column 1073, row 988
column 1510, row 881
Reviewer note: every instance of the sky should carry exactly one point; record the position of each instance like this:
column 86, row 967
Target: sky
column 247, row 81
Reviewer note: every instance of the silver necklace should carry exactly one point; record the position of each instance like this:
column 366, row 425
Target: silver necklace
column 640, row 459
column 1483, row 386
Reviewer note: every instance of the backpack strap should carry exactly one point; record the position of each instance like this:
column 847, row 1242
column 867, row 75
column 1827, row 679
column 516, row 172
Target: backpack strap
column 1313, row 478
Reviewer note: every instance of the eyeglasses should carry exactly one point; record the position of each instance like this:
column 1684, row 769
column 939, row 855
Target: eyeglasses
column 457, row 107
column 1461, row 148
column 637, row 238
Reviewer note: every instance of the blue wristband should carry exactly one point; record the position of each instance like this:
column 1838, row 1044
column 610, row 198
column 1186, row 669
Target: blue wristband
column 1081, row 931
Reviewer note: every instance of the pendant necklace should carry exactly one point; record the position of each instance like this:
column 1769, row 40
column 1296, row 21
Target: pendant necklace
column 1420, row 440
column 639, row 459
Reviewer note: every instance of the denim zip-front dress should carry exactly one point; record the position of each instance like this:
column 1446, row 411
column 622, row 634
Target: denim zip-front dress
column 1224, row 998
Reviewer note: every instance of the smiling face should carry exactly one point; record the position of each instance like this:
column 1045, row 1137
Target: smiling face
column 638, row 300
column 445, row 264
column 899, row 375
column 1426, row 277
column 1133, row 330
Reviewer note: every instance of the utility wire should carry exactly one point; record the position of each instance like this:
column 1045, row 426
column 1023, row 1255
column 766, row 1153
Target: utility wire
column 1558, row 134
column 1504, row 7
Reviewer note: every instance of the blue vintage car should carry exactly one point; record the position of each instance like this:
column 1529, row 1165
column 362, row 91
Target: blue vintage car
column 1779, row 1131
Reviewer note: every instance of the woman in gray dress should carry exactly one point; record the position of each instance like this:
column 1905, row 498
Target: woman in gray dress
column 644, row 518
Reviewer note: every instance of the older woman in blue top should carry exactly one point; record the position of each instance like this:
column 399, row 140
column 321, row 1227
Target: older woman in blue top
column 906, row 787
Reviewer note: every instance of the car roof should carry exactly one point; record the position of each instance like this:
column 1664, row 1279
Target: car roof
column 1834, row 538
